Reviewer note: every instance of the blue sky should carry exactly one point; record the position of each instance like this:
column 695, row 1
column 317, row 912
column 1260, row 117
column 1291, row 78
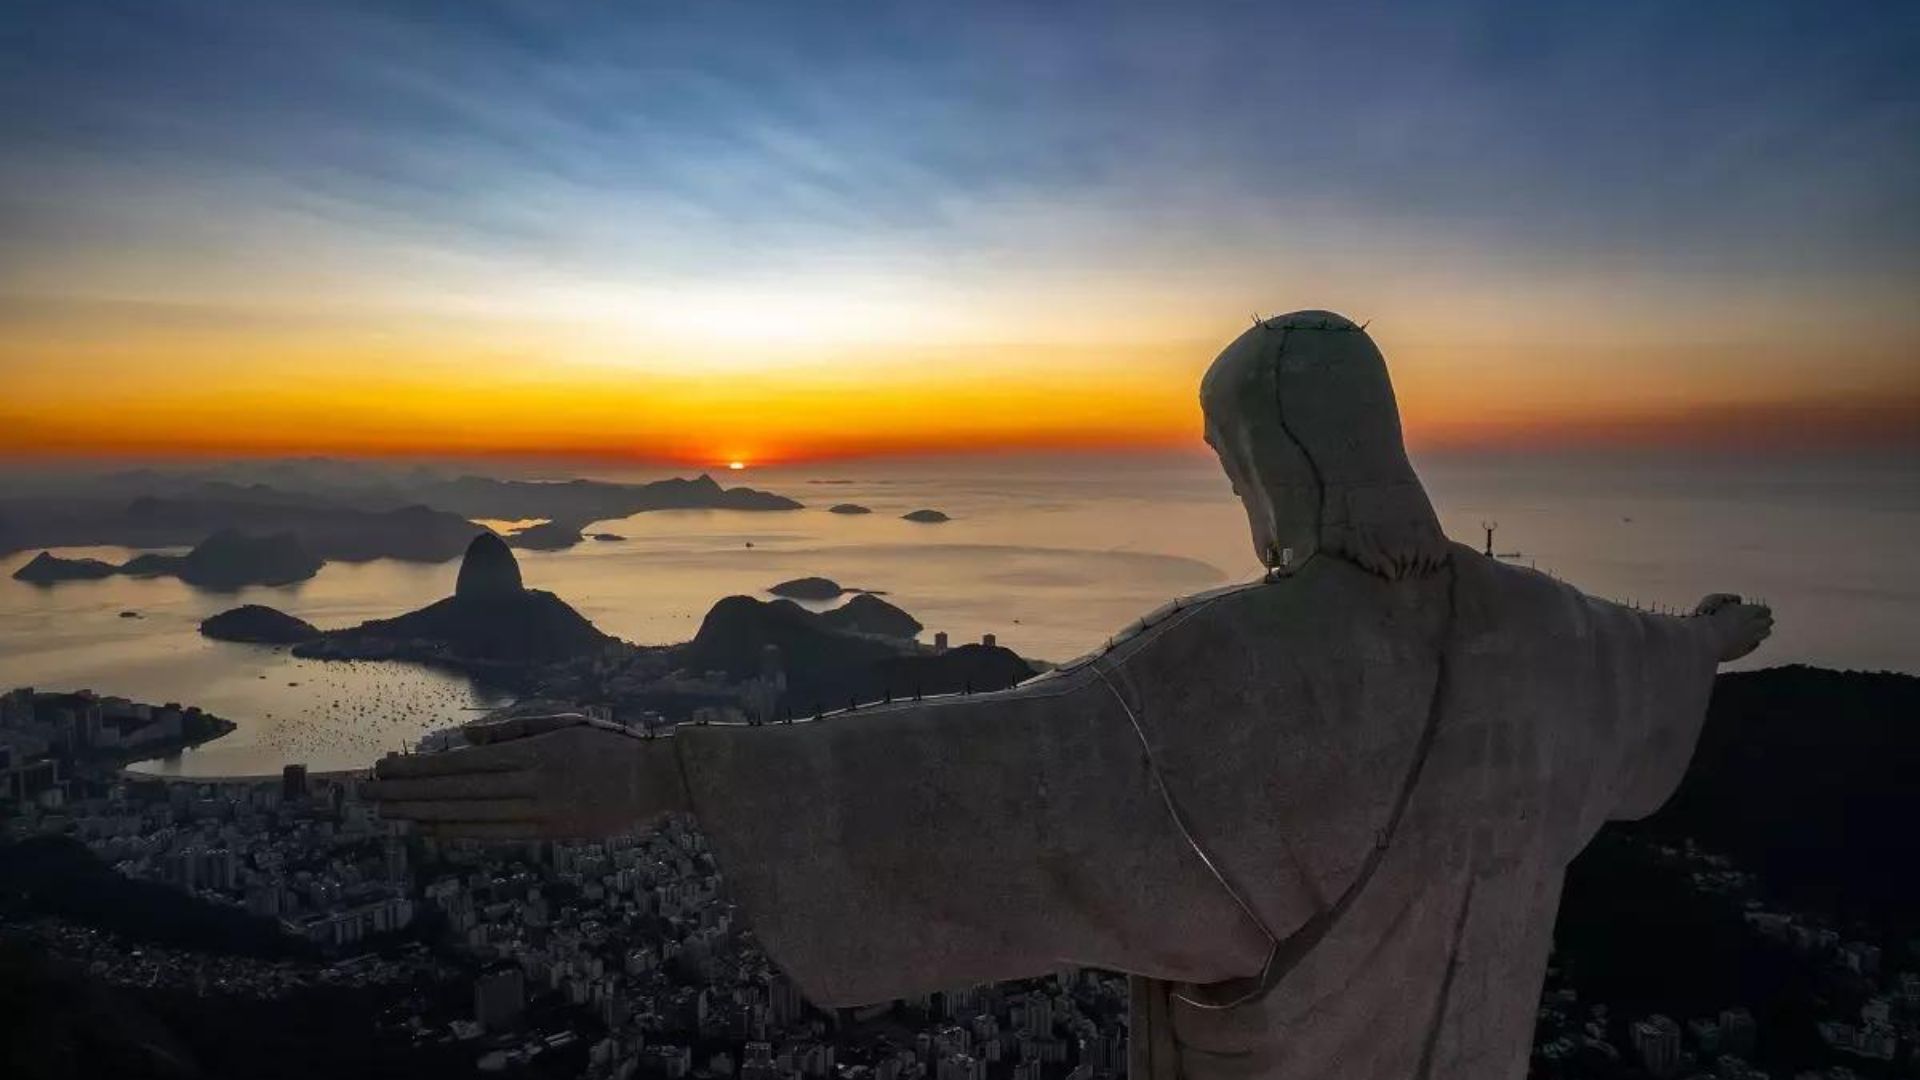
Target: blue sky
column 1701, row 134
column 999, row 171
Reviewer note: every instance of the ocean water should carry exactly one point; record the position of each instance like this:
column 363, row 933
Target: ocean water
column 1049, row 554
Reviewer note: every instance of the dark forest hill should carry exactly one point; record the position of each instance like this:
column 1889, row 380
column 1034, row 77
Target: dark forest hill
column 868, row 614
column 967, row 668
column 819, row 661
column 1807, row 777
column 56, row 876
column 259, row 625
column 1803, row 779
column 860, row 652
column 230, row 560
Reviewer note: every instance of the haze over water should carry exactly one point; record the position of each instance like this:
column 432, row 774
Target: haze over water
column 1050, row 554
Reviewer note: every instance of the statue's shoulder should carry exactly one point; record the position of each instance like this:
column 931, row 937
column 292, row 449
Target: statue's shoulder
column 1505, row 607
column 1162, row 620
column 1327, row 606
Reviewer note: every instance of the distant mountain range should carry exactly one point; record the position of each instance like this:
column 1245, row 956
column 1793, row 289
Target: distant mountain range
column 226, row 560
column 328, row 530
column 339, row 513
column 588, row 500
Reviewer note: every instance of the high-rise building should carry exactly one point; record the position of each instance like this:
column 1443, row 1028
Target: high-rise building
column 784, row 998
column 1657, row 1040
column 499, row 998
column 1706, row 1036
column 1039, row 1014
column 1737, row 1031
column 293, row 782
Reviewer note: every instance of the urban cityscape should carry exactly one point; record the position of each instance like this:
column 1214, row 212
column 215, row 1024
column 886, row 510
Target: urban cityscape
column 614, row 958
column 623, row 957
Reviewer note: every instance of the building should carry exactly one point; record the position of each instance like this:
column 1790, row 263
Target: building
column 1737, row 1031
column 22, row 780
column 500, row 998
column 1705, row 1033
column 293, row 782
column 1657, row 1040
column 672, row 1062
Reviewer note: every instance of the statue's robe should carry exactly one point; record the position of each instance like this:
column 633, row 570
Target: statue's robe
column 1343, row 802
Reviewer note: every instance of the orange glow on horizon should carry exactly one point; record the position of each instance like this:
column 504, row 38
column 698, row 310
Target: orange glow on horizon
column 139, row 390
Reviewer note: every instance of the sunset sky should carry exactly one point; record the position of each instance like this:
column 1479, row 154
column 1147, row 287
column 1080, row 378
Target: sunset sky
column 714, row 231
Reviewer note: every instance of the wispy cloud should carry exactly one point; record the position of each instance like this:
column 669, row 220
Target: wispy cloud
column 996, row 171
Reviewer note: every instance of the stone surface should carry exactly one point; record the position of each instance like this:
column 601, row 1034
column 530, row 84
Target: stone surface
column 488, row 569
column 925, row 517
column 1301, row 412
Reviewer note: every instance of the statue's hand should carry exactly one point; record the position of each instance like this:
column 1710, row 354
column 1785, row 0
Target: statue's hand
column 528, row 777
column 1738, row 627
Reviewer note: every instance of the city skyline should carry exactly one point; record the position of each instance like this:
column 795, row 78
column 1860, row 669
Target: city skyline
column 748, row 233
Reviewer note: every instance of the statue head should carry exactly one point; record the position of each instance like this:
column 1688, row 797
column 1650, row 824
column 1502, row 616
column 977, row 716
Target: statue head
column 1302, row 414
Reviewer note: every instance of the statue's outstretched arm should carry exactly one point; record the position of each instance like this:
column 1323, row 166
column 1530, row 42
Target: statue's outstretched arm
column 1653, row 678
column 885, row 851
column 900, row 849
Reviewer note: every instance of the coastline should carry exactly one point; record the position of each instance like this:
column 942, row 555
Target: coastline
column 127, row 773
column 222, row 728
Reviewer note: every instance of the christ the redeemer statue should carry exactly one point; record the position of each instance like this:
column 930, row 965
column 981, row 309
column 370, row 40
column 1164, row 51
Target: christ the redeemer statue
column 1322, row 818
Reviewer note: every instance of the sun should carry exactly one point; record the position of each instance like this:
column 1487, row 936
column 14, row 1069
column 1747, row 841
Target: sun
column 736, row 464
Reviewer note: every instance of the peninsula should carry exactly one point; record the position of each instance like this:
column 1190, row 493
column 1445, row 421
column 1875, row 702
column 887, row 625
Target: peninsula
column 47, row 568
column 84, row 730
column 228, row 559
column 339, row 511
column 492, row 621
column 324, row 529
